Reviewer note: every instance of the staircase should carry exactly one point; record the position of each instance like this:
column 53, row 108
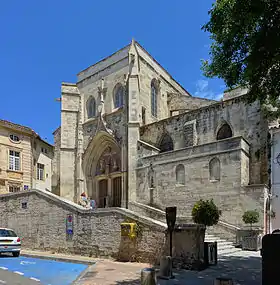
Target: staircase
column 224, row 247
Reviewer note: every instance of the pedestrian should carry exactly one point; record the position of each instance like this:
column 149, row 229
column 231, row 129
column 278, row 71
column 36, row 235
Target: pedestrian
column 92, row 204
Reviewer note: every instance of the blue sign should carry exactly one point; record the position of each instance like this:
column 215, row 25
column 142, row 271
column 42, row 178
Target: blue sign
column 69, row 224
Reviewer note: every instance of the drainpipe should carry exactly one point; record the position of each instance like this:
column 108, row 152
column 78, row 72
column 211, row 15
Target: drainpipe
column 270, row 155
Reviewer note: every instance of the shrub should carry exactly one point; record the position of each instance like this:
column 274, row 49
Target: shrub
column 251, row 217
column 206, row 213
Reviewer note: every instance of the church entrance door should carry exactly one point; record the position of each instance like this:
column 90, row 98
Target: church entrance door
column 117, row 192
column 103, row 193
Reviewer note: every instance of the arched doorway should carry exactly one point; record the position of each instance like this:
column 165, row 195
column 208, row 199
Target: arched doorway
column 102, row 164
column 109, row 179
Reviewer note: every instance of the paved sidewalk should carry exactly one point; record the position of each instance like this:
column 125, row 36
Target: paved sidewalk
column 243, row 267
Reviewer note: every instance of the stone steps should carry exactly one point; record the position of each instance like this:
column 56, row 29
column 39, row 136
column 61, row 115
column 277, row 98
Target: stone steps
column 224, row 247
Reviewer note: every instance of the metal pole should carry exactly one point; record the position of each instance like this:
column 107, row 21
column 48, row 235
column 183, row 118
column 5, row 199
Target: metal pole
column 170, row 244
column 171, row 267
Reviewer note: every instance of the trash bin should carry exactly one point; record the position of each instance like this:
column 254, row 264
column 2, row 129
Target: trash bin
column 148, row 276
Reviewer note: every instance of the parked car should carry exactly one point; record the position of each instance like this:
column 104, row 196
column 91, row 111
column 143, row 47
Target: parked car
column 9, row 242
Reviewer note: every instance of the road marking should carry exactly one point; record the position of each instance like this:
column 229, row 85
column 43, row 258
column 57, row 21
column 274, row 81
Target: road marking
column 35, row 279
column 18, row 272
column 4, row 268
column 26, row 262
column 3, row 282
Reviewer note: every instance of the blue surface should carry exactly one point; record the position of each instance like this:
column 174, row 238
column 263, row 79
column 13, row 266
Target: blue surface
column 49, row 272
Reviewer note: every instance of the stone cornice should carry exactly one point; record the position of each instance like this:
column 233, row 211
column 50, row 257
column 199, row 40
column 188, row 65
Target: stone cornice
column 69, row 88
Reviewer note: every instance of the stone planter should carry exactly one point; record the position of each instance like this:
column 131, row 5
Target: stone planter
column 249, row 239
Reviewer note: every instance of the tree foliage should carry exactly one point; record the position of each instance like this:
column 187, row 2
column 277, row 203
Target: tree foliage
column 206, row 213
column 245, row 49
column 251, row 217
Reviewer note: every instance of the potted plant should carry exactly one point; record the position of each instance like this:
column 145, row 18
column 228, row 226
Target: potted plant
column 205, row 212
column 250, row 239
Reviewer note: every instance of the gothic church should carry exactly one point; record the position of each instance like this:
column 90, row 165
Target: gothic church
column 131, row 136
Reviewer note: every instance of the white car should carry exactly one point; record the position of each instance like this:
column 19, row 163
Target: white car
column 9, row 242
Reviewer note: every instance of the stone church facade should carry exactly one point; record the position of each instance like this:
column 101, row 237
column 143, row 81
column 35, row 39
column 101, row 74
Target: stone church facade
column 131, row 135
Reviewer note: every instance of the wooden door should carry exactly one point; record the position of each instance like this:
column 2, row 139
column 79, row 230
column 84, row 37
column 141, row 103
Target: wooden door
column 117, row 192
column 103, row 193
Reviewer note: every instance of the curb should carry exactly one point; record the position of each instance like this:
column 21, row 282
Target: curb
column 79, row 280
column 59, row 258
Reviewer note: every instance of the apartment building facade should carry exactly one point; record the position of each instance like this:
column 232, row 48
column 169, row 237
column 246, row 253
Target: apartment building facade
column 25, row 159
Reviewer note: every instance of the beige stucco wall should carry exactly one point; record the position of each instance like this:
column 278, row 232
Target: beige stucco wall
column 23, row 176
column 46, row 160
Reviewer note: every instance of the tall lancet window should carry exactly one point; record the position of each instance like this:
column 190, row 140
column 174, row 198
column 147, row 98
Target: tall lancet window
column 118, row 95
column 91, row 107
column 154, row 98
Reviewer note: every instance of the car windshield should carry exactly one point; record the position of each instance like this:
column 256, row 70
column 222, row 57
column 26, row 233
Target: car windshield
column 7, row 233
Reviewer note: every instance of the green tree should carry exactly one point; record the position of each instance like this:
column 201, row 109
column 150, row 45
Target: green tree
column 245, row 49
column 205, row 212
column 251, row 217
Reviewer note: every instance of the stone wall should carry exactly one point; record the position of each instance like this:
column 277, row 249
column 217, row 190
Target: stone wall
column 147, row 74
column 226, row 189
column 56, row 163
column 112, row 75
column 245, row 119
column 39, row 217
column 178, row 103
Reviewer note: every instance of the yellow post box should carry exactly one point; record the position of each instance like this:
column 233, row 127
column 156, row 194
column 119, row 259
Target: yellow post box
column 128, row 230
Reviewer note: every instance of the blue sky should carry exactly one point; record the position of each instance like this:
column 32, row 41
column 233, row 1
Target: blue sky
column 46, row 42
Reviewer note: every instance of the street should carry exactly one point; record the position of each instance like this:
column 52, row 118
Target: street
column 29, row 271
column 10, row 278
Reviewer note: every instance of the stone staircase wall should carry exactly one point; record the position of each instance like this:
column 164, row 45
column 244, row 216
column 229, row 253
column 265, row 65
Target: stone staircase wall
column 222, row 229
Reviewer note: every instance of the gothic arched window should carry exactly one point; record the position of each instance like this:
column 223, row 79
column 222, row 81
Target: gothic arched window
column 166, row 143
column 180, row 174
column 154, row 98
column 118, row 95
column 224, row 132
column 91, row 107
column 214, row 169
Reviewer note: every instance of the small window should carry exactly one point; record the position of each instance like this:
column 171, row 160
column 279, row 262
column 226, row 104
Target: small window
column 91, row 108
column 166, row 143
column 154, row 98
column 14, row 189
column 40, row 171
column 44, row 150
column 143, row 115
column 14, row 160
column 214, row 169
column 14, row 138
column 180, row 174
column 224, row 132
column 118, row 95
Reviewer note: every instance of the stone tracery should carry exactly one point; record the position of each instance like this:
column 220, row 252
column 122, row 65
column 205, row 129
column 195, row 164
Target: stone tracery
column 109, row 162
